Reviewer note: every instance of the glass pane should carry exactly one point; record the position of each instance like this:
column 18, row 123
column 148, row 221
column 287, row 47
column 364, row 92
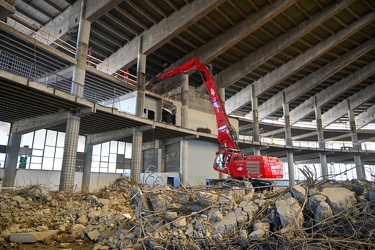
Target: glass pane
column 51, row 138
column 112, row 157
column 49, row 151
column 128, row 151
column 104, row 165
column 39, row 138
column 113, row 148
column 103, row 170
column 47, row 163
column 96, row 150
column 94, row 164
column 4, row 131
column 27, row 139
column 120, row 171
column 105, row 149
column 58, row 164
column 112, row 168
column 59, row 152
column 37, row 152
column 95, row 158
column 36, row 159
column 81, row 144
column 35, row 166
column 94, row 169
column 121, row 147
column 60, row 139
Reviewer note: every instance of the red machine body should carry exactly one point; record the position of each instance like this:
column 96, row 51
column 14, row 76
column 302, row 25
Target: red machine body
column 228, row 160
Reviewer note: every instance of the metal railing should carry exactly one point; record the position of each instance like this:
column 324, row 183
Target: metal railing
column 36, row 73
column 19, row 66
column 48, row 38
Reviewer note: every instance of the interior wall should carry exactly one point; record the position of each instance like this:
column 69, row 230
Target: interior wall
column 200, row 162
column 198, row 119
column 172, row 157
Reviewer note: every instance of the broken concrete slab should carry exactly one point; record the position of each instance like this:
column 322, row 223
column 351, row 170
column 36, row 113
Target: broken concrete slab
column 206, row 199
column 339, row 198
column 289, row 212
column 299, row 192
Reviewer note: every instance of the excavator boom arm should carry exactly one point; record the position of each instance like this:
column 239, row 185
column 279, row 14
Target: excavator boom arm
column 227, row 136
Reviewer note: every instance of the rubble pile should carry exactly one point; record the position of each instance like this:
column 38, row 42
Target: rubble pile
column 126, row 215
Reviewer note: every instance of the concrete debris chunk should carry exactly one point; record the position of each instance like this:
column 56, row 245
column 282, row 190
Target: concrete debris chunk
column 299, row 193
column 32, row 237
column 289, row 212
column 23, row 238
column 20, row 200
column 169, row 216
column 339, row 198
column 216, row 216
column 180, row 223
column 93, row 235
column 206, row 199
column 323, row 211
column 93, row 200
column 371, row 195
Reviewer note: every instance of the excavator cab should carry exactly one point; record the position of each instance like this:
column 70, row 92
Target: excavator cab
column 224, row 160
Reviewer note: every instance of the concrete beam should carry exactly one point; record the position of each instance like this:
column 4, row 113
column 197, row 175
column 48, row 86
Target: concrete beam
column 97, row 8
column 159, row 34
column 25, row 126
column 336, row 138
column 254, row 60
column 233, row 35
column 67, row 21
column 341, row 109
column 6, row 10
column 114, row 135
column 367, row 140
column 278, row 75
column 298, row 137
column 62, row 25
column 332, row 92
column 365, row 117
column 274, row 132
column 314, row 79
column 310, row 156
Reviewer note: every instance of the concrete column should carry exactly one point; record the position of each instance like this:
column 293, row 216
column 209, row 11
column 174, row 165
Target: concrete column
column 185, row 100
column 11, row 159
column 79, row 72
column 136, row 164
column 70, row 153
column 73, row 122
column 87, row 168
column 319, row 125
column 141, row 79
column 159, row 145
column 360, row 169
column 288, row 141
column 222, row 95
column 184, row 161
column 256, row 132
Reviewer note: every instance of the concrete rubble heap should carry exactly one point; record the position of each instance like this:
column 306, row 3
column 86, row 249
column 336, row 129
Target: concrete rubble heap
column 126, row 215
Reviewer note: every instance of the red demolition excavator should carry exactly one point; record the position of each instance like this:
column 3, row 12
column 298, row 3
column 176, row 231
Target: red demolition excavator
column 229, row 159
